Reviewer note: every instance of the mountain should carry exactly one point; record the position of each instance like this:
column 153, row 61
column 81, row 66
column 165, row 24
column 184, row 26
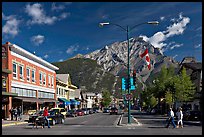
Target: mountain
column 86, row 73
column 105, row 67
column 113, row 58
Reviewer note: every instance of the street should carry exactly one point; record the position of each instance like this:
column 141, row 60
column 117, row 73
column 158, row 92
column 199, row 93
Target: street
column 105, row 124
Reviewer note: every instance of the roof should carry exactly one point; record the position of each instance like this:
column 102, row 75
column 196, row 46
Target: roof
column 194, row 66
column 63, row 77
column 27, row 54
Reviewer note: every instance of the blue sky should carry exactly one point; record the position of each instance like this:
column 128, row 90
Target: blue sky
column 56, row 31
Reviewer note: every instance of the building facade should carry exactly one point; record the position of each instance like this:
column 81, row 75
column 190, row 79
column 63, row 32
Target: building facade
column 32, row 79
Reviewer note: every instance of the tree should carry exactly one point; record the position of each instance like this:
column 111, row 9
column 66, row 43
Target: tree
column 106, row 98
column 185, row 89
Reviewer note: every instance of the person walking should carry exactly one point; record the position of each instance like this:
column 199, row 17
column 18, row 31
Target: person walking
column 15, row 113
column 180, row 118
column 45, row 114
column 19, row 113
column 171, row 119
column 12, row 113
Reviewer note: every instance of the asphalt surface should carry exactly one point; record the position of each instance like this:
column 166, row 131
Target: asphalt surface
column 105, row 124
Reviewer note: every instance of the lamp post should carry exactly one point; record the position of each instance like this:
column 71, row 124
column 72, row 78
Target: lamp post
column 127, row 30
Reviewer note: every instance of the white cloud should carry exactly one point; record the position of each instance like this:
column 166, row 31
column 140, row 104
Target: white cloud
column 37, row 40
column 46, row 56
column 57, row 8
column 197, row 46
column 60, row 60
column 11, row 27
column 176, row 46
column 38, row 15
column 72, row 49
column 162, row 18
column 175, row 56
column 177, row 28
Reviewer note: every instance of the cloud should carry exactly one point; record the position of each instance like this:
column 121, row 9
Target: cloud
column 176, row 46
column 197, row 46
column 162, row 18
column 38, row 15
column 177, row 28
column 175, row 56
column 46, row 56
column 57, row 8
column 11, row 27
column 72, row 49
column 37, row 40
column 60, row 60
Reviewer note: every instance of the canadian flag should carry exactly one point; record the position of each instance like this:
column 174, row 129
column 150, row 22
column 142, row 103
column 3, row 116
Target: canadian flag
column 147, row 58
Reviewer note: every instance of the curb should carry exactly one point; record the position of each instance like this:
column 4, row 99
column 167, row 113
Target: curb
column 12, row 124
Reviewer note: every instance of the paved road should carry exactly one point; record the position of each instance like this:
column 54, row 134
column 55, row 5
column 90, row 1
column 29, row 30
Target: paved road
column 101, row 124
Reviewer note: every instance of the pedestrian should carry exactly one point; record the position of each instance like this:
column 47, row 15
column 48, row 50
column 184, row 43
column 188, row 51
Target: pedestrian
column 15, row 113
column 19, row 113
column 11, row 112
column 45, row 114
column 171, row 118
column 180, row 118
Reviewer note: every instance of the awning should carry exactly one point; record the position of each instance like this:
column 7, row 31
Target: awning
column 9, row 94
column 74, row 102
column 27, row 99
column 7, row 71
column 65, row 101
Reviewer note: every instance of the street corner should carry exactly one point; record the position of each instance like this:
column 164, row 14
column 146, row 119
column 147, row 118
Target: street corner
column 13, row 124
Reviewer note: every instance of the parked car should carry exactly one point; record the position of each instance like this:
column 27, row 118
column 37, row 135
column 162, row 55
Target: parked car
column 90, row 110
column 80, row 112
column 95, row 110
column 192, row 115
column 53, row 117
column 86, row 111
column 71, row 113
column 106, row 110
column 60, row 110
column 31, row 112
column 113, row 110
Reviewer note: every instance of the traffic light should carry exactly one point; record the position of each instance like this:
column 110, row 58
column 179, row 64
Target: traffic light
column 124, row 84
column 134, row 77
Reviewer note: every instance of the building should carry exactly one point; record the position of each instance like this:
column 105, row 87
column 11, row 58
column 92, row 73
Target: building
column 194, row 70
column 65, row 90
column 32, row 79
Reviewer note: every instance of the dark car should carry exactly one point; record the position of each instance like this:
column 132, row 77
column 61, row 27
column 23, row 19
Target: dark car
column 80, row 112
column 53, row 117
column 113, row 110
column 192, row 115
column 106, row 110
column 90, row 110
column 71, row 113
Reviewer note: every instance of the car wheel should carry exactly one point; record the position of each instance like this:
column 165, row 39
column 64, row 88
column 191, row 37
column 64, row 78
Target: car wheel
column 62, row 121
column 53, row 122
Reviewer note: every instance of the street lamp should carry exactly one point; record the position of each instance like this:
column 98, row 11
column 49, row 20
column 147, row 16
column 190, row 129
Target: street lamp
column 127, row 30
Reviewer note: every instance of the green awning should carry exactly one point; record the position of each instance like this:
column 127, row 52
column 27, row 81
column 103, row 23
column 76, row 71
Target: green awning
column 9, row 94
column 7, row 71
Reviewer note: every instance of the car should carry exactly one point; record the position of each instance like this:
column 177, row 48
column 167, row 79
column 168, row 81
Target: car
column 86, row 111
column 106, row 110
column 95, row 110
column 31, row 112
column 192, row 115
column 113, row 110
column 80, row 112
column 90, row 110
column 71, row 113
column 60, row 110
column 53, row 117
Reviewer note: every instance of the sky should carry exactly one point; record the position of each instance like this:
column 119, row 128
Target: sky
column 57, row 31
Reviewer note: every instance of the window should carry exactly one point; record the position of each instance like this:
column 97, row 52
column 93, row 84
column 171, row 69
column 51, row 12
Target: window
column 15, row 71
column 52, row 82
column 40, row 78
column 21, row 72
column 44, row 79
column 49, row 81
column 28, row 74
column 33, row 75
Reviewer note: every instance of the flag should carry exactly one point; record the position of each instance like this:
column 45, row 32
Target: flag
column 147, row 58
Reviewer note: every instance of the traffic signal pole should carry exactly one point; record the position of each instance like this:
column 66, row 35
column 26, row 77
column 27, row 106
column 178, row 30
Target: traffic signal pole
column 128, row 81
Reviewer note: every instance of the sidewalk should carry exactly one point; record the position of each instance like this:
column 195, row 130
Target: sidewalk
column 6, row 123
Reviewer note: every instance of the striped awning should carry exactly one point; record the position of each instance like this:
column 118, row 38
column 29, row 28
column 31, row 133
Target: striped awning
column 65, row 101
column 74, row 102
